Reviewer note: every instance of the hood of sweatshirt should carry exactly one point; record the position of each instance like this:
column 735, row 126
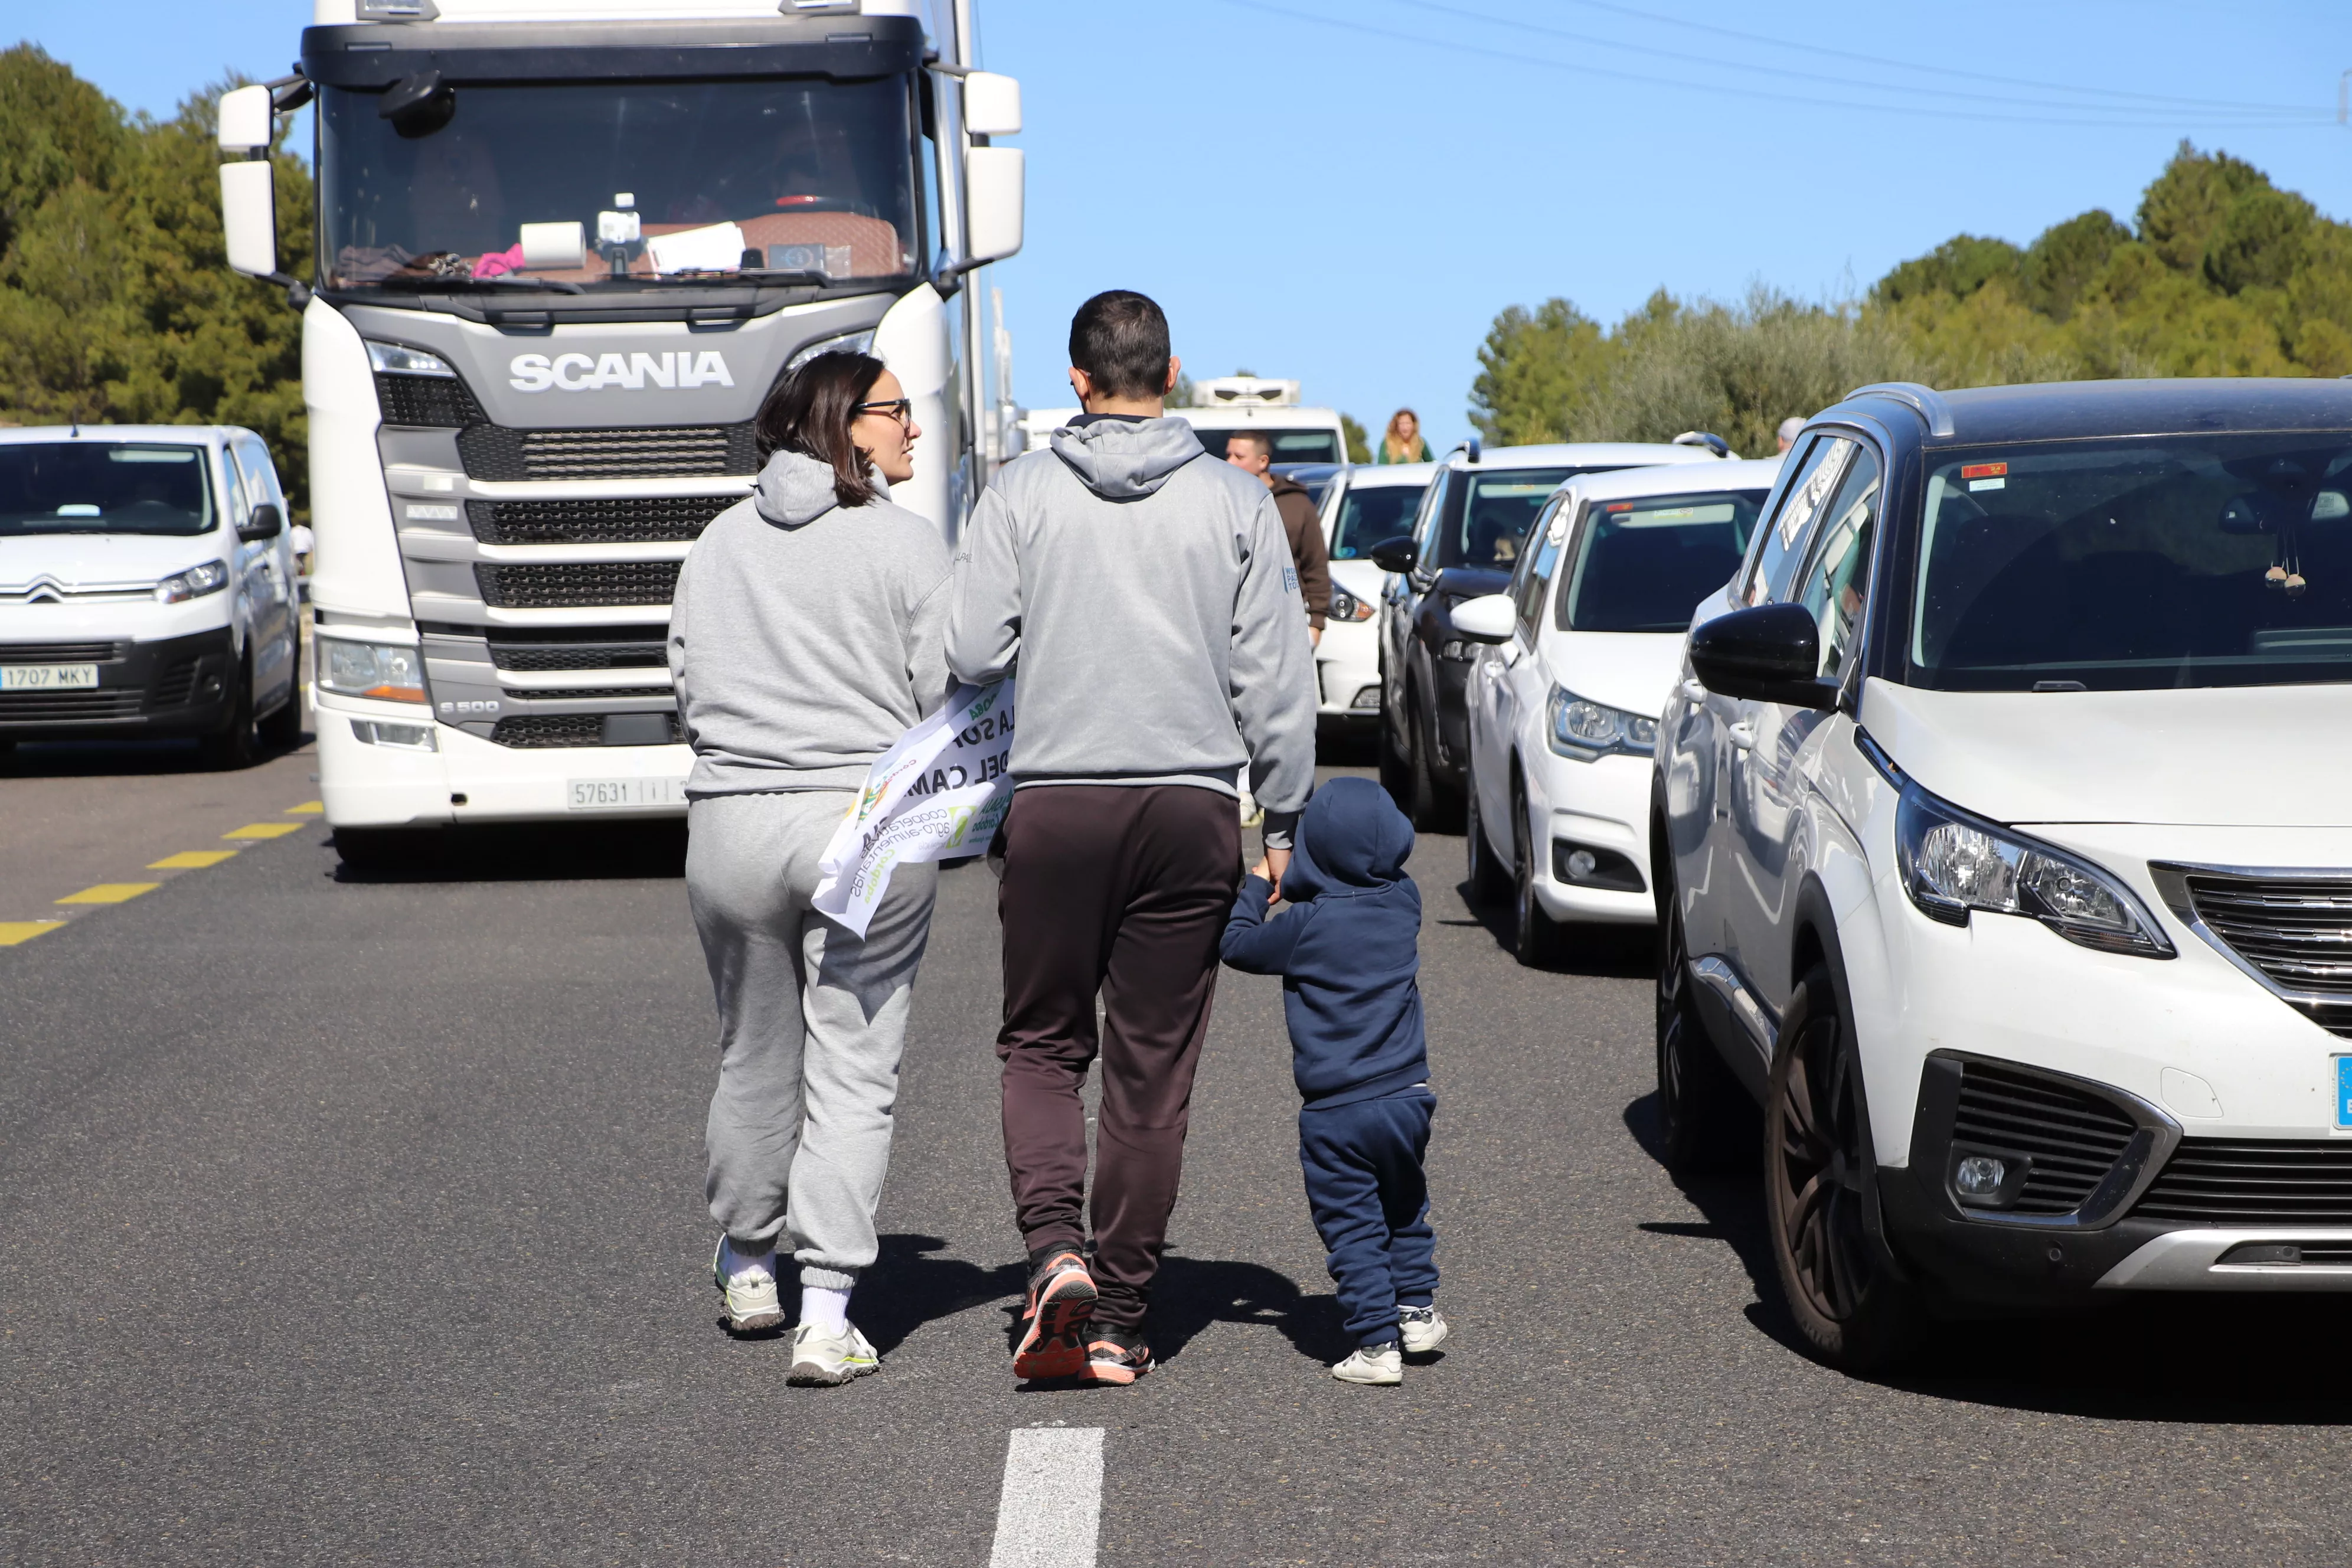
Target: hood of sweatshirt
column 794, row 490
column 1352, row 838
column 1120, row 461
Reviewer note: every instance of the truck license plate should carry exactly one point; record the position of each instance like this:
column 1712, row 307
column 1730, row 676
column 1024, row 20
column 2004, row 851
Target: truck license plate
column 622, row 794
column 46, row 677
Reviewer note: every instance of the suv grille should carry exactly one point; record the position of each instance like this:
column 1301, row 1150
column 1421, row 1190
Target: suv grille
column 60, row 652
column 564, row 730
column 2296, row 930
column 430, row 400
column 628, row 522
column 573, row 584
column 499, row 452
column 2230, row 1180
column 2072, row 1138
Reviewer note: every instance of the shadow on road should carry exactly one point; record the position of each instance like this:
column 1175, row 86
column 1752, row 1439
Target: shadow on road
column 1606, row 952
column 115, row 759
column 522, row 852
column 1192, row 1293
column 905, row 1288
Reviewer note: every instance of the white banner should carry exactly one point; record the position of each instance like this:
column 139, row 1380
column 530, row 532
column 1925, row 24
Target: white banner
column 939, row 793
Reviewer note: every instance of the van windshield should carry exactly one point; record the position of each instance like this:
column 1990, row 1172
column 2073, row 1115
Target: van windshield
column 102, row 487
column 1644, row 565
column 1289, row 445
column 2138, row 564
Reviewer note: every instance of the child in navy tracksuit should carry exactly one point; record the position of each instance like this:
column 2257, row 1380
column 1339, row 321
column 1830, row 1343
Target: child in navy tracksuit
column 1348, row 950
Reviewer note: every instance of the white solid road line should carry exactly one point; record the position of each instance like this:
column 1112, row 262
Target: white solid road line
column 1051, row 1507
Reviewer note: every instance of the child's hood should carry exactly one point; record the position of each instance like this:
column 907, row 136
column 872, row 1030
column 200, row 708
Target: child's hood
column 1351, row 837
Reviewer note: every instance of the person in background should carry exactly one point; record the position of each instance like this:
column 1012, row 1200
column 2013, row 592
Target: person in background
column 1402, row 442
column 1349, row 952
column 1790, row 430
column 805, row 638
column 1118, row 549
column 1251, row 451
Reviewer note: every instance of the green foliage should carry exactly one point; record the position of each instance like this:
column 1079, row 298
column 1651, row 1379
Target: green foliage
column 1360, row 448
column 116, row 301
column 1959, row 267
column 1535, row 371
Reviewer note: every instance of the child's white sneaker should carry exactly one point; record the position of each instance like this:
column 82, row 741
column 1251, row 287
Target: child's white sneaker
column 1381, row 1365
column 1421, row 1329
column 750, row 1288
column 827, row 1361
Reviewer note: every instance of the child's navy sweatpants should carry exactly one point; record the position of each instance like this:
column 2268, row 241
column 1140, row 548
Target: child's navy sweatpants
column 1370, row 1203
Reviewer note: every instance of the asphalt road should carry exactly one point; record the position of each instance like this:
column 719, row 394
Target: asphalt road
column 349, row 1222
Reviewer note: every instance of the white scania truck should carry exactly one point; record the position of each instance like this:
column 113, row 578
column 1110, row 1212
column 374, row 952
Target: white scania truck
column 565, row 248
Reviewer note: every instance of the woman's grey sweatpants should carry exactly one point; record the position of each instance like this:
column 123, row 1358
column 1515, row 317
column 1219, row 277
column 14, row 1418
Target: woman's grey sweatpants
column 811, row 1022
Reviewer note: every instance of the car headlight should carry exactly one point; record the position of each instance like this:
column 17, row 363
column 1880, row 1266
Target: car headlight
column 1953, row 863
column 1585, row 731
column 1346, row 606
column 385, row 671
column 210, row 577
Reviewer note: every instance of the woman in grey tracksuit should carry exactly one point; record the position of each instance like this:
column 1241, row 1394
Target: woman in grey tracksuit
column 806, row 638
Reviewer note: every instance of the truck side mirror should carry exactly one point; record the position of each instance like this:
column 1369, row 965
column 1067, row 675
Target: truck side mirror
column 1396, row 554
column 993, row 177
column 991, row 105
column 266, row 522
column 247, row 117
column 249, row 216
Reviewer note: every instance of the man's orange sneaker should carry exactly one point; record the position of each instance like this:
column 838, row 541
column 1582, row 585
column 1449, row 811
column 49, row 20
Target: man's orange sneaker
column 1061, row 1299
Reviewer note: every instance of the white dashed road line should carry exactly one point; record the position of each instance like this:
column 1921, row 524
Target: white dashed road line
column 1051, row 1508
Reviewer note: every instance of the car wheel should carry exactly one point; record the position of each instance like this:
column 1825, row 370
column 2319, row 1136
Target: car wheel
column 1430, row 806
column 232, row 745
column 1704, row 1120
column 1840, row 1287
column 1490, row 880
column 1396, row 774
column 282, row 730
column 1535, row 935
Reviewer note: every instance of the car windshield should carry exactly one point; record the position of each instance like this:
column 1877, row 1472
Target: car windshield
column 1289, row 445
column 1494, row 514
column 1370, row 513
column 2138, row 563
column 102, row 487
column 1644, row 565
column 667, row 179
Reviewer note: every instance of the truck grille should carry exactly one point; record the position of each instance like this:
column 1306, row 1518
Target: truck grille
column 539, row 730
column 2072, row 1140
column 499, row 452
column 64, row 707
column 60, row 652
column 629, row 521
column 2296, row 930
column 433, row 401
column 574, row 583
column 582, row 648
column 2231, row 1181
column 586, row 693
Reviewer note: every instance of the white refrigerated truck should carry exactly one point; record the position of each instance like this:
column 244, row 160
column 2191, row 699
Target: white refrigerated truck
column 564, row 249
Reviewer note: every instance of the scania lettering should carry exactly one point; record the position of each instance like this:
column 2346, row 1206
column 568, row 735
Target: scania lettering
column 566, row 248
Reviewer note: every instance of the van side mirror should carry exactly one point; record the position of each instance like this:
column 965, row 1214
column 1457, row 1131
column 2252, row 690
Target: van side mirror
column 266, row 522
column 1396, row 554
column 1486, row 618
column 1772, row 653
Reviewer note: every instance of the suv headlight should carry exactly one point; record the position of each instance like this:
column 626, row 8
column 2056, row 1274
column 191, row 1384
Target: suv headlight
column 210, row 577
column 385, row 671
column 1953, row 863
column 1586, row 731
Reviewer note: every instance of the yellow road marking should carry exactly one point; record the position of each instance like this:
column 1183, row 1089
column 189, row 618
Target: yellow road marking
column 14, row 932
column 111, row 893
column 265, row 830
column 192, row 859
column 308, row 808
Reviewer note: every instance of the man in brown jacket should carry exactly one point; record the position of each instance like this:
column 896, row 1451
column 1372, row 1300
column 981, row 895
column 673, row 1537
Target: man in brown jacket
column 1251, row 451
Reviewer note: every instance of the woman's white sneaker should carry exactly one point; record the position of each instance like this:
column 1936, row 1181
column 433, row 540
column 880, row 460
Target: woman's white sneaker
column 751, row 1292
column 827, row 1361
column 1380, row 1364
column 1421, row 1329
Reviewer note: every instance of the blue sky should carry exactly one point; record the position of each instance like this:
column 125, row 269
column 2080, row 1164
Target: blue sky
column 1347, row 191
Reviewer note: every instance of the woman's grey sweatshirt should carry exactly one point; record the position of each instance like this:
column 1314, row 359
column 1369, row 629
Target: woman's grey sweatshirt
column 806, row 637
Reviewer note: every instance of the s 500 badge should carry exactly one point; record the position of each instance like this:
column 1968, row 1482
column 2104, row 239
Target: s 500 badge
column 673, row 369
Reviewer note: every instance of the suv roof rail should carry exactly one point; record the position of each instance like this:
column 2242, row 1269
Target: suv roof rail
column 1706, row 438
column 1925, row 401
column 1472, row 446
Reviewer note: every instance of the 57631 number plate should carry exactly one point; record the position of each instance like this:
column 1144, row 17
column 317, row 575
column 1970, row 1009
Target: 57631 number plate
column 624, row 794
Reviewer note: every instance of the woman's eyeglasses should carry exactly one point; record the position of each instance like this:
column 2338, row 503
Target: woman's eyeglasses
column 902, row 409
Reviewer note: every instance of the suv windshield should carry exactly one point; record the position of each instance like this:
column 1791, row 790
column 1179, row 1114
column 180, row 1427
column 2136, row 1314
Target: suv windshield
column 2130, row 565
column 1490, row 516
column 1371, row 514
column 1644, row 565
column 665, row 178
column 94, row 487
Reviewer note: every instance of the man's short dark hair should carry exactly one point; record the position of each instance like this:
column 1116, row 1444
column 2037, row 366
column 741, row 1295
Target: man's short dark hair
column 1120, row 339
column 1258, row 438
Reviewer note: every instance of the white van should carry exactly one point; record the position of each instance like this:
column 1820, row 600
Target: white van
column 147, row 587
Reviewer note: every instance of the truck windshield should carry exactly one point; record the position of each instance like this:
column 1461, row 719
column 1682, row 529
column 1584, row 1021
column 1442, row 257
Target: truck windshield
column 2133, row 564
column 666, row 179
column 1644, row 565
column 102, row 487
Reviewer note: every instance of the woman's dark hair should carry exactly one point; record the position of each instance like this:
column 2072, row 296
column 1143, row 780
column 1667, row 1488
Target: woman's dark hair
column 810, row 412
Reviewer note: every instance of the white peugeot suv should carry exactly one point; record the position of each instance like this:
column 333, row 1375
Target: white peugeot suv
column 2004, row 850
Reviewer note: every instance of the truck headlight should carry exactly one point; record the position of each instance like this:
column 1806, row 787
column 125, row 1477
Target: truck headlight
column 209, row 577
column 1953, row 863
column 1585, row 731
column 399, row 359
column 385, row 671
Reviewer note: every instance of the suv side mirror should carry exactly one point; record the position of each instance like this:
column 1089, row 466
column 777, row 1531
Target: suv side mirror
column 1772, row 653
column 266, row 522
column 1486, row 618
column 1396, row 554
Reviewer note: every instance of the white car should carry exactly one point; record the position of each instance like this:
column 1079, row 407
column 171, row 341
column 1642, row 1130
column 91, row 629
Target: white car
column 1363, row 507
column 147, row 588
column 2005, row 848
column 1578, row 655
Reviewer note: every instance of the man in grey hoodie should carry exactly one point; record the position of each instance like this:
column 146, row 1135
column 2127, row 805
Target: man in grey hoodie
column 1148, row 596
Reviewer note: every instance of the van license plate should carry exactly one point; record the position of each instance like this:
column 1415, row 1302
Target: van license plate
column 46, row 677
column 623, row 794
